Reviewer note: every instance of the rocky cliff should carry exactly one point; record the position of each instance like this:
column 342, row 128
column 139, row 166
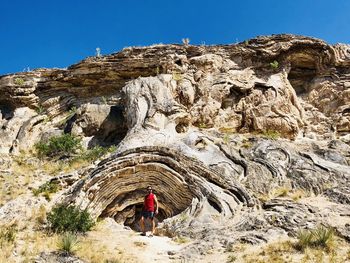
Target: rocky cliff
column 228, row 135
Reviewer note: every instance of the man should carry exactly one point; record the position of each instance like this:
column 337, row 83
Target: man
column 149, row 210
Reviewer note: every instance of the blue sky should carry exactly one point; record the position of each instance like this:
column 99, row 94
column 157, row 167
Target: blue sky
column 36, row 33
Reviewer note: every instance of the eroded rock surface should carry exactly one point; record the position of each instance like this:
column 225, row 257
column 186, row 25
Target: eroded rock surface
column 199, row 123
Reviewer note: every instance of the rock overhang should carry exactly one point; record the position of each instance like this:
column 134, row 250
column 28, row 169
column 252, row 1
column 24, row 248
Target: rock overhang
column 116, row 187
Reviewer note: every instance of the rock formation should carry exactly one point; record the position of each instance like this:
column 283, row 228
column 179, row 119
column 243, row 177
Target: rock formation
column 196, row 123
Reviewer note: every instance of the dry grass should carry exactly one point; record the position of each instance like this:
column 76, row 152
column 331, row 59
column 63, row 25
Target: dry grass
column 28, row 245
column 284, row 191
column 41, row 215
column 140, row 244
column 286, row 251
column 6, row 252
column 27, row 169
column 93, row 252
column 227, row 130
column 180, row 239
column 15, row 184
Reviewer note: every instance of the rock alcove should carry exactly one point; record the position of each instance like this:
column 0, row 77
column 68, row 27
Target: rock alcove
column 182, row 184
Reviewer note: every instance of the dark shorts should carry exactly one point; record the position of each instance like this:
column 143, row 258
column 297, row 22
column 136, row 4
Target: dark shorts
column 148, row 214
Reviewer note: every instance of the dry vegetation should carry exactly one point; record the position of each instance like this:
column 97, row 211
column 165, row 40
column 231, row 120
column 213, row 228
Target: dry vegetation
column 28, row 176
column 335, row 250
column 284, row 191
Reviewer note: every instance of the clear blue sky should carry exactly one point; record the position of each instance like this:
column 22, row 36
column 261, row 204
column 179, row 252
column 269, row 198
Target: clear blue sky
column 37, row 33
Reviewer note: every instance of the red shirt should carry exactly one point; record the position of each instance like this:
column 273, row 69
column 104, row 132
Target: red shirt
column 148, row 204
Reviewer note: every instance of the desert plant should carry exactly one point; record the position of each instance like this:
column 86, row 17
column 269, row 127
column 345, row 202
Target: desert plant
column 282, row 191
column 19, row 81
column 96, row 152
column 64, row 218
column 46, row 188
column 247, row 144
column 41, row 215
column 271, row 134
column 40, row 109
column 231, row 259
column 58, row 146
column 8, row 234
column 157, row 70
column 177, row 76
column 98, row 52
column 202, row 125
column 304, row 239
column 68, row 243
column 185, row 41
column 71, row 112
column 274, row 64
column 323, row 237
column 320, row 237
column 180, row 239
column 226, row 138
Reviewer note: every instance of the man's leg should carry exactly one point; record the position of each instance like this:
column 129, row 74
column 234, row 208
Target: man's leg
column 142, row 224
column 153, row 225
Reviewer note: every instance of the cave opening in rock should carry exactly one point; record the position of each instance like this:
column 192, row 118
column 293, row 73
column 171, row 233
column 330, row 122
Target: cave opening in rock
column 127, row 197
column 113, row 129
column 7, row 110
column 232, row 99
column 133, row 222
column 302, row 72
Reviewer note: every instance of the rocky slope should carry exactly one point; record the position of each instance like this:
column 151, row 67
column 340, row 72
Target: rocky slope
column 243, row 143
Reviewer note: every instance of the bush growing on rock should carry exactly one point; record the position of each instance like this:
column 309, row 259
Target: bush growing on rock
column 96, row 152
column 65, row 218
column 46, row 189
column 59, row 146
column 274, row 64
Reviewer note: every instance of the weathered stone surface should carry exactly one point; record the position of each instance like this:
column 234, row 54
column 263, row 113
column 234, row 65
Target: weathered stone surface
column 59, row 257
column 305, row 91
column 238, row 141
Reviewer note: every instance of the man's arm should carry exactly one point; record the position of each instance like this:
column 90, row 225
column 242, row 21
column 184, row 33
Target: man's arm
column 156, row 203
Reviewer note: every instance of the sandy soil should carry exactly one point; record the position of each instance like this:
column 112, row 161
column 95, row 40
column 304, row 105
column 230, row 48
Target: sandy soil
column 133, row 246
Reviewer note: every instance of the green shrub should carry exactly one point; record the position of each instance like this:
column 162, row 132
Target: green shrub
column 320, row 237
column 64, row 218
column 68, row 243
column 47, row 189
column 274, row 64
column 58, row 146
column 96, row 152
column 40, row 109
column 8, row 234
column 19, row 81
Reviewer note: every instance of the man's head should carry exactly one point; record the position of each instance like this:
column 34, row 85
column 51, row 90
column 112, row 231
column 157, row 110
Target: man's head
column 149, row 189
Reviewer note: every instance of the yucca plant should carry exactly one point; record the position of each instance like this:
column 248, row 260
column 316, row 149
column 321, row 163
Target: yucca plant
column 68, row 243
column 304, row 240
column 320, row 237
column 323, row 237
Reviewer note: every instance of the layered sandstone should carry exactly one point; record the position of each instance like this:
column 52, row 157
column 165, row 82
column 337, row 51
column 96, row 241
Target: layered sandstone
column 196, row 123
